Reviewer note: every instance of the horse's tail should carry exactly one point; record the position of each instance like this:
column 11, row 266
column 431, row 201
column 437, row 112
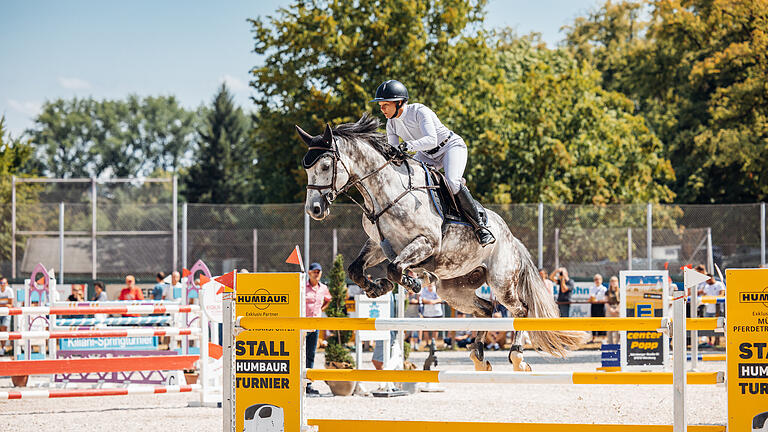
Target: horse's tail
column 541, row 304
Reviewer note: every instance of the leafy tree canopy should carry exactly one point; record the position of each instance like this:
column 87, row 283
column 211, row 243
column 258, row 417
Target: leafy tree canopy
column 538, row 125
column 115, row 138
column 697, row 71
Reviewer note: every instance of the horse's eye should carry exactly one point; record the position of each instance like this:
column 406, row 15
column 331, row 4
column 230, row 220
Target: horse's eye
column 325, row 167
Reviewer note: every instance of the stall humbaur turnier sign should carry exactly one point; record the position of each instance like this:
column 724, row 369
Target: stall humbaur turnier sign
column 268, row 391
column 747, row 344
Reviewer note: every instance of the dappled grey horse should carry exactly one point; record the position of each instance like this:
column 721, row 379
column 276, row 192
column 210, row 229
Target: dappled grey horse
column 406, row 230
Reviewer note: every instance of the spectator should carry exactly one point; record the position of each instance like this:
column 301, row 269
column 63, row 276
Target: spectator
column 130, row 292
column 99, row 293
column 433, row 308
column 547, row 281
column 76, row 293
column 597, row 300
column 496, row 339
column 317, row 298
column 699, row 288
column 612, row 307
column 6, row 300
column 170, row 290
column 158, row 291
column 565, row 284
column 463, row 337
column 712, row 288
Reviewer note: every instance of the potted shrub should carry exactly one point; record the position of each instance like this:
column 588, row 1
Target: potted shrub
column 337, row 354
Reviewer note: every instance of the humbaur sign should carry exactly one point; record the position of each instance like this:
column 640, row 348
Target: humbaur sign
column 268, row 362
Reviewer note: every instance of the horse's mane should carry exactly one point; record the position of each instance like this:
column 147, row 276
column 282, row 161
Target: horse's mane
column 366, row 129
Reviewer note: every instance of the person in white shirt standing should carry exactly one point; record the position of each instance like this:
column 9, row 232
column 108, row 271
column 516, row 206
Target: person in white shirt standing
column 434, row 144
column 711, row 288
column 597, row 300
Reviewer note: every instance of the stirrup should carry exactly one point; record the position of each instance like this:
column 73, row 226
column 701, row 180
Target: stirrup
column 479, row 234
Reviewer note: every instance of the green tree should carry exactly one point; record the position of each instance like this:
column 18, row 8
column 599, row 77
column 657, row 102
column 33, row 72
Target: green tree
column 538, row 125
column 16, row 159
column 116, row 138
column 223, row 169
column 555, row 135
column 324, row 59
column 698, row 76
column 336, row 351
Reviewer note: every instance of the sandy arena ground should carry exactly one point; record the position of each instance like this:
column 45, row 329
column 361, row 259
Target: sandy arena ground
column 622, row 404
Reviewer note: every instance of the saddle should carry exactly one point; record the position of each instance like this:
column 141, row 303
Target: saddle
column 443, row 200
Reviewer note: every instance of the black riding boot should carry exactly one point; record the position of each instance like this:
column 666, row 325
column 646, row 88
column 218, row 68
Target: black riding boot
column 468, row 206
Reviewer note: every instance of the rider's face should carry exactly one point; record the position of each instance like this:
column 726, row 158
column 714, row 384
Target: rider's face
column 388, row 108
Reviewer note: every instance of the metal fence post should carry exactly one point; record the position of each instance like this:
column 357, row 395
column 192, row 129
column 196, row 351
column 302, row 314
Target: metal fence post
column 184, row 238
column 557, row 248
column 93, row 228
column 306, row 240
column 175, row 223
column 335, row 245
column 629, row 248
column 255, row 250
column 710, row 257
column 762, row 234
column 649, row 234
column 61, row 244
column 541, row 235
column 13, row 227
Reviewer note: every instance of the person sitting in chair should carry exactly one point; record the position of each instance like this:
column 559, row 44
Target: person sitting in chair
column 434, row 144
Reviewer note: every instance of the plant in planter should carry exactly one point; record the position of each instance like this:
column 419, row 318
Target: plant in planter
column 337, row 355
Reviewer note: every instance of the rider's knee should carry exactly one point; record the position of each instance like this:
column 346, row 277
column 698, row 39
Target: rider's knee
column 454, row 184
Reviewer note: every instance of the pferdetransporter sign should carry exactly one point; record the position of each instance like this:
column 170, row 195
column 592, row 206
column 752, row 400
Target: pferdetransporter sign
column 747, row 339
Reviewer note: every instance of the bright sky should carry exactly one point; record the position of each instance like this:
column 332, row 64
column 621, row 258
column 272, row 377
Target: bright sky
column 105, row 49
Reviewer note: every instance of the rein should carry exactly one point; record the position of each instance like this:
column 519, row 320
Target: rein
column 371, row 215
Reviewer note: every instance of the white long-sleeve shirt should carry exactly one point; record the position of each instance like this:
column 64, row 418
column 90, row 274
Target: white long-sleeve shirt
column 419, row 127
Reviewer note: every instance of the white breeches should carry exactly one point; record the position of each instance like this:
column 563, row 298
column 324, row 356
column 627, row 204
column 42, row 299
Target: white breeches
column 452, row 158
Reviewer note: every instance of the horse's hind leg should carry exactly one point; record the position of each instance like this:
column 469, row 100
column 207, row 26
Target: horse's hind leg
column 516, row 353
column 484, row 309
column 504, row 289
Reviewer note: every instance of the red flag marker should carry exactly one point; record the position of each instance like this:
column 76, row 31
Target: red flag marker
column 295, row 258
column 204, row 280
column 227, row 280
column 184, row 273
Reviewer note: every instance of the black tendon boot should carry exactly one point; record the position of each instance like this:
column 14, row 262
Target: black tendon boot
column 467, row 204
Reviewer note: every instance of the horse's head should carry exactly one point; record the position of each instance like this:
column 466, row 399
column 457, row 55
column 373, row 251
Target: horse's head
column 326, row 172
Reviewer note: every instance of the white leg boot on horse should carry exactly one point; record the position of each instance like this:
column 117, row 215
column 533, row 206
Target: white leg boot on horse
column 516, row 353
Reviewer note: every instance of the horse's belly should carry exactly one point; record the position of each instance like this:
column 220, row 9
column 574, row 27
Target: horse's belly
column 460, row 253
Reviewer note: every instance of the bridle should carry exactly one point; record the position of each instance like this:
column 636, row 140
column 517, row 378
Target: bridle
column 373, row 216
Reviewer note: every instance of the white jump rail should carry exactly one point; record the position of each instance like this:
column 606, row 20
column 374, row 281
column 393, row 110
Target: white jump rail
column 89, row 334
column 52, row 394
column 128, row 309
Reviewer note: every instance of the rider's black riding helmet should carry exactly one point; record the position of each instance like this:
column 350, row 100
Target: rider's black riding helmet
column 392, row 90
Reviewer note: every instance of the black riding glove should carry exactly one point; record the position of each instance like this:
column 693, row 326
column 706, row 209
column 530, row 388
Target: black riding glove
column 403, row 146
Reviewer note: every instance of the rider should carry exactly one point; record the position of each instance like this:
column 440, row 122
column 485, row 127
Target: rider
column 434, row 144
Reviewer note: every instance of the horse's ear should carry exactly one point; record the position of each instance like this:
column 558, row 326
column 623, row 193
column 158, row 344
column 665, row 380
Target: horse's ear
column 307, row 138
column 328, row 135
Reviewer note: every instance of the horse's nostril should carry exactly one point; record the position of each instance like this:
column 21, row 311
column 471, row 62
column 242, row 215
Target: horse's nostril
column 316, row 209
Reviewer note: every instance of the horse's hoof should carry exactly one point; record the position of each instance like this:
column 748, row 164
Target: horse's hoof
column 411, row 283
column 480, row 365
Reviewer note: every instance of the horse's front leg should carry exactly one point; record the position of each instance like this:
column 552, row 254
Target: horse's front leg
column 370, row 255
column 415, row 252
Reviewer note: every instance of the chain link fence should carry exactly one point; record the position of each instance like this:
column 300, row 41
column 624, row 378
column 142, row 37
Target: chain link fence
column 136, row 237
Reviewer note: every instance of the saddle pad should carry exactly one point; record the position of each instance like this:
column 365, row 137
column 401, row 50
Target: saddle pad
column 443, row 200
